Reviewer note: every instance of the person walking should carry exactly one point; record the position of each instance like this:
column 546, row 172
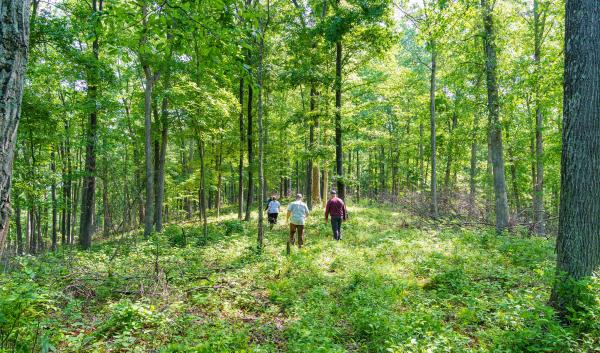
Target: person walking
column 336, row 208
column 297, row 212
column 273, row 207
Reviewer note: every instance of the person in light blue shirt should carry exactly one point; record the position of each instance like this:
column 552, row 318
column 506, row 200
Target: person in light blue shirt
column 273, row 211
column 297, row 212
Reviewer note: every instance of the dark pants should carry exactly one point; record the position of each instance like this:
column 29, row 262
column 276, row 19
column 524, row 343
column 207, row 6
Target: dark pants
column 300, row 230
column 273, row 218
column 336, row 226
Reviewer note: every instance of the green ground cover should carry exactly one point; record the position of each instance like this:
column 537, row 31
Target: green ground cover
column 389, row 286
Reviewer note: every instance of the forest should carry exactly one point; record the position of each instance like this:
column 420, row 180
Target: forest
column 145, row 146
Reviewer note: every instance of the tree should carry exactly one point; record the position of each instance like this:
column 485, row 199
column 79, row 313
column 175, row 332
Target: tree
column 495, row 125
column 88, row 198
column 578, row 243
column 14, row 50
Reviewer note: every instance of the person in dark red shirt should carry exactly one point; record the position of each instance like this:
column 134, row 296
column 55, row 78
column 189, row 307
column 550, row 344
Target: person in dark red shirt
column 338, row 212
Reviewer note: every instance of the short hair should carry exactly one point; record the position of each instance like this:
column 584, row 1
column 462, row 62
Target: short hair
column 333, row 192
column 298, row 196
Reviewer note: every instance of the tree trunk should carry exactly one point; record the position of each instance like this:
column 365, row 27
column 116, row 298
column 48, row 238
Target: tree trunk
column 19, row 227
column 88, row 196
column 14, row 49
column 218, row 197
column 538, row 190
column 473, row 168
column 106, row 202
column 432, row 87
column 149, row 208
column 261, row 138
column 450, row 152
column 495, row 128
column 339, row 162
column 202, row 199
column 54, row 206
column 578, row 244
column 249, row 138
column 241, row 160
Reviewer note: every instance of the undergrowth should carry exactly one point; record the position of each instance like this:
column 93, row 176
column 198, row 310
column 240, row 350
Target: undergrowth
column 386, row 287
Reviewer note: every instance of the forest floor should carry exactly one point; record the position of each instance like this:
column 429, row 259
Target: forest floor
column 388, row 286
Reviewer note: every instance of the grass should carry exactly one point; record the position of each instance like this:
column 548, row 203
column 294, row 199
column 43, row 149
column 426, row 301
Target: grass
column 386, row 287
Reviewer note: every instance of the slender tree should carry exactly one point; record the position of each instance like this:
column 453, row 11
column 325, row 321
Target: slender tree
column 495, row 126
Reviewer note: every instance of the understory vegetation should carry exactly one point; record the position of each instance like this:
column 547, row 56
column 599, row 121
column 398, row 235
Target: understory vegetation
column 395, row 283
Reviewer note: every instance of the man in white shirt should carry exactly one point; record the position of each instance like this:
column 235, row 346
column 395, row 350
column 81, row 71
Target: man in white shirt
column 296, row 215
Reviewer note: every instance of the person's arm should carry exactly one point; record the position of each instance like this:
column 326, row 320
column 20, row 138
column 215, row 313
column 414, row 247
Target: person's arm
column 289, row 213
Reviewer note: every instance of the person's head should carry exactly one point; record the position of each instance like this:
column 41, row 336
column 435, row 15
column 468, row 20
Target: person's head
column 333, row 193
column 298, row 197
column 273, row 197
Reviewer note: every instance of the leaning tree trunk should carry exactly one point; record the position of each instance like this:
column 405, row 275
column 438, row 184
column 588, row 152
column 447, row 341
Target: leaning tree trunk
column 578, row 243
column 14, row 49
column 495, row 128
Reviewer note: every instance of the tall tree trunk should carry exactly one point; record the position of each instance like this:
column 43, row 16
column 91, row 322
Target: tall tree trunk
column 105, row 201
column 219, row 163
column 241, row 160
column 432, row 88
column 160, row 187
column 421, row 157
column 250, row 156
column 339, row 162
column 310, row 191
column 450, row 152
column 54, row 205
column 538, row 190
column 14, row 49
column 88, row 196
column 578, row 244
column 202, row 200
column 149, row 208
column 473, row 168
column 261, row 140
column 513, row 172
column 19, row 227
column 495, row 128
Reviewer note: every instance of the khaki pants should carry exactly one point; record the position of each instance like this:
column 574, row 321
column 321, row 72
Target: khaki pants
column 300, row 230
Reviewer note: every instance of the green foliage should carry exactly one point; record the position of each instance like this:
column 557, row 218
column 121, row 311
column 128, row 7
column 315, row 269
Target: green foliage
column 384, row 288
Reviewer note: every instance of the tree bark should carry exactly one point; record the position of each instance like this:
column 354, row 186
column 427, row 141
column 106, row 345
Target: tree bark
column 578, row 243
column 249, row 138
column 432, row 88
column 241, row 160
column 495, row 128
column 150, row 80
column 538, row 190
column 339, row 162
column 14, row 49
column 202, row 193
column 54, row 206
column 261, row 140
column 473, row 167
column 88, row 196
